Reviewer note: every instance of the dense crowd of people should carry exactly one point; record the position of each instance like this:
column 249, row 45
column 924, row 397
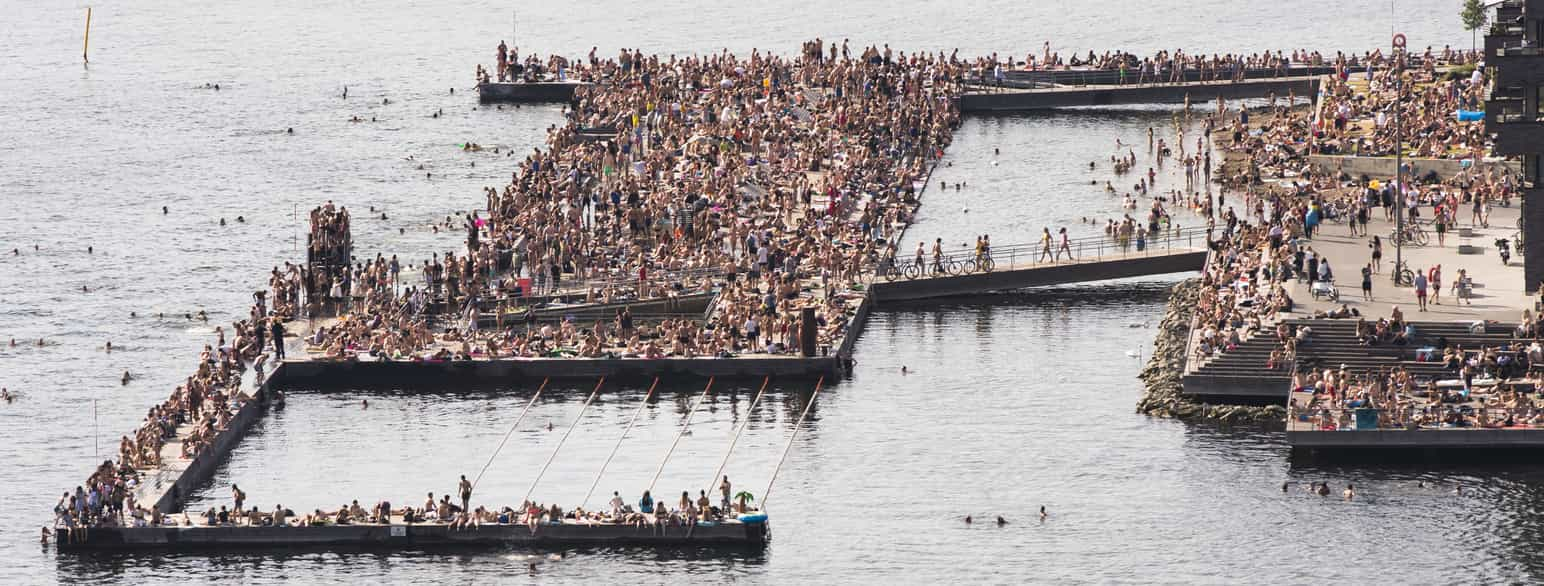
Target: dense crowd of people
column 1356, row 114
column 194, row 415
column 777, row 179
column 1484, row 387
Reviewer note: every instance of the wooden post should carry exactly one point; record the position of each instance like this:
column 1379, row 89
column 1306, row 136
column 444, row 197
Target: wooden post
column 86, row 45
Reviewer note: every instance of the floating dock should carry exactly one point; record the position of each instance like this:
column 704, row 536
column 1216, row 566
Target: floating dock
column 403, row 536
column 527, row 92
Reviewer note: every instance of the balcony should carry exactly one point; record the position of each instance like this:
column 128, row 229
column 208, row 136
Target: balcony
column 1514, row 64
column 1515, row 134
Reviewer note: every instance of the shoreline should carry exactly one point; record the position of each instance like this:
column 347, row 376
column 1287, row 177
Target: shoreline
column 1163, row 392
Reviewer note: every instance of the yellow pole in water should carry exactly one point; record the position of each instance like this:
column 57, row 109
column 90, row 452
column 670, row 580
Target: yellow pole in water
column 86, row 46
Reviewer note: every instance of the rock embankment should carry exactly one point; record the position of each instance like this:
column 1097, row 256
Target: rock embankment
column 1164, row 372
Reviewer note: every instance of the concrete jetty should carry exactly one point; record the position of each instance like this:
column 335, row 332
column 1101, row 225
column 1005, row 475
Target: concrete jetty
column 412, row 536
column 527, row 92
column 987, row 98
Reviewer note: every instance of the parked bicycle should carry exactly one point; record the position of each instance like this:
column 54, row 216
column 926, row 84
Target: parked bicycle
column 1403, row 276
column 1413, row 235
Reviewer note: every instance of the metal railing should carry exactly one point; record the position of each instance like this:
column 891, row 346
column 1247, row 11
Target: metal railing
column 1141, row 243
column 1443, row 417
column 1033, row 79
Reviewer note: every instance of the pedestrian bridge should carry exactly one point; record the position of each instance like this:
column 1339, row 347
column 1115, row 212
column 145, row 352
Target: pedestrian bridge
column 1035, row 96
column 1020, row 266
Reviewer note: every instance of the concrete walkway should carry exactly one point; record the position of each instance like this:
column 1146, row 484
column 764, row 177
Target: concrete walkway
column 1498, row 290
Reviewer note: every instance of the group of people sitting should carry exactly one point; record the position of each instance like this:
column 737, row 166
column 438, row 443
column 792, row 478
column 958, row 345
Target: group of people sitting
column 199, row 410
column 1356, row 119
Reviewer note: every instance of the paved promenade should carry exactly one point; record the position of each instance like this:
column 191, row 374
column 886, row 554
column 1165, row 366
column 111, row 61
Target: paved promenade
column 1498, row 290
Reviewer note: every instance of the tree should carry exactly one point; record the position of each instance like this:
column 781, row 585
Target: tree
column 743, row 496
column 1474, row 17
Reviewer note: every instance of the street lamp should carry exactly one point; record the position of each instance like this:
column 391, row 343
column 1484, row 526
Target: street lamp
column 1397, row 69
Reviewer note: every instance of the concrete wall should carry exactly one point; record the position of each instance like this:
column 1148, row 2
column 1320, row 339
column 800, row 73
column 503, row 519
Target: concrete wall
column 1383, row 167
column 1199, row 94
column 201, row 469
column 1533, row 239
column 1421, row 439
column 532, row 371
column 526, row 92
column 855, row 328
column 410, row 536
column 1261, row 387
column 1007, row 280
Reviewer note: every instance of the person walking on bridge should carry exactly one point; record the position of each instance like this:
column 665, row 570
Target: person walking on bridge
column 938, row 255
column 1066, row 245
column 1045, row 246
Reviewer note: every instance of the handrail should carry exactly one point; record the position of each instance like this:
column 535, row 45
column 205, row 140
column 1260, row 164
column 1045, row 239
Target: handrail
column 1166, row 240
column 1343, row 419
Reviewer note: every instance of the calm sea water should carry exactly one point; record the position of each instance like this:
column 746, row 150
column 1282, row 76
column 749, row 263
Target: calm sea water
column 1015, row 401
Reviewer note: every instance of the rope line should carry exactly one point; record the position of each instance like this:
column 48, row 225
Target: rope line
column 737, row 432
column 677, row 441
column 618, row 445
column 508, row 433
column 571, row 426
column 789, row 447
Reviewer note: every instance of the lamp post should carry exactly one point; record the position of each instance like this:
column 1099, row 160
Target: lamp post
column 1397, row 69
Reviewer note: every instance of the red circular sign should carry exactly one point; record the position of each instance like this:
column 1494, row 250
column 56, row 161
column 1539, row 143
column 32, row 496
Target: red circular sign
column 1399, row 40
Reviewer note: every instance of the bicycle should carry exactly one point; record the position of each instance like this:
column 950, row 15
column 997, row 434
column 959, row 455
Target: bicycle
column 1412, row 235
column 946, row 266
column 983, row 264
column 1403, row 276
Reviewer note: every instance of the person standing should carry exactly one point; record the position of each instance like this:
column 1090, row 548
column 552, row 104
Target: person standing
column 1434, row 277
column 238, row 496
column 1313, row 267
column 1367, row 282
column 465, row 489
column 276, row 330
column 1420, row 289
column 616, row 505
column 723, row 490
column 1045, row 245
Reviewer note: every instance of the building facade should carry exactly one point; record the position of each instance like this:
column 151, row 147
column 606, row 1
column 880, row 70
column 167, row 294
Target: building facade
column 1516, row 68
